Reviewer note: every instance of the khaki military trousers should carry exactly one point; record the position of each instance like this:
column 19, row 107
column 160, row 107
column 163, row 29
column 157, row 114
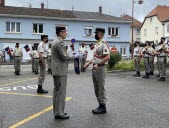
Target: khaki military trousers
column 99, row 84
column 17, row 63
column 59, row 94
column 158, row 65
column 151, row 61
column 42, row 73
column 137, row 64
column 33, row 67
column 36, row 63
column 83, row 61
column 49, row 62
column 162, row 66
column 147, row 64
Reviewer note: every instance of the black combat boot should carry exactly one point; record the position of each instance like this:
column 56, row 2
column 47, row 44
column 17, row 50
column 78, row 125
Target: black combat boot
column 17, row 73
column 48, row 71
column 100, row 110
column 138, row 74
column 147, row 75
column 161, row 79
column 84, row 70
column 41, row 90
column 158, row 75
column 64, row 117
column 37, row 72
column 151, row 73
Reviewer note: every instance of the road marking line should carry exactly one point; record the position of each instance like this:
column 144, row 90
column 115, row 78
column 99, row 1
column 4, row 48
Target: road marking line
column 23, row 94
column 18, row 82
column 22, row 78
column 35, row 115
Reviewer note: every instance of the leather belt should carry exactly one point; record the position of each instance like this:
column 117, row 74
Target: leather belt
column 100, row 65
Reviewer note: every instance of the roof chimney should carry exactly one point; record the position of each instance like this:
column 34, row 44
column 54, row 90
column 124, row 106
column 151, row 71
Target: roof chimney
column 42, row 5
column 100, row 9
column 30, row 5
column 2, row 2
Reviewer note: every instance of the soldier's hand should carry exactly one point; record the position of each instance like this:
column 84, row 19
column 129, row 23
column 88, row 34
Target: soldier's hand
column 95, row 67
column 86, row 65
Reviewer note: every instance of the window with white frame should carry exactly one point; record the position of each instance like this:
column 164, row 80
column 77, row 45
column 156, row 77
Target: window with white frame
column 167, row 28
column 145, row 32
column 137, row 39
column 13, row 27
column 156, row 30
column 137, row 31
column 113, row 31
column 37, row 28
column 123, row 50
column 88, row 31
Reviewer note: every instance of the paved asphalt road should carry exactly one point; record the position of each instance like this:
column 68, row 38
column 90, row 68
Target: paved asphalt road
column 132, row 102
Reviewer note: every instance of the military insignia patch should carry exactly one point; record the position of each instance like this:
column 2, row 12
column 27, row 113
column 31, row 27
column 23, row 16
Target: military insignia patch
column 105, row 50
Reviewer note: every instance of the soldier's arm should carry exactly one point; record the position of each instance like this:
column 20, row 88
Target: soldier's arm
column 105, row 59
column 41, row 57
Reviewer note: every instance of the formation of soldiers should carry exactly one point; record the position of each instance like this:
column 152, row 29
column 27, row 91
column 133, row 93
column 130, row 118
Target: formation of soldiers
column 148, row 53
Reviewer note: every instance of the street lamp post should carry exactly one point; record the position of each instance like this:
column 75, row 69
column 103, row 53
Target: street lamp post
column 133, row 2
column 47, row 4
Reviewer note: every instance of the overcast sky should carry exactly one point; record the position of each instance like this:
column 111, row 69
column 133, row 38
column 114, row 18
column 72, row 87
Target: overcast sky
column 111, row 7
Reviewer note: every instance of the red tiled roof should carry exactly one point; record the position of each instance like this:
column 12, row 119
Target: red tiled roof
column 136, row 23
column 162, row 12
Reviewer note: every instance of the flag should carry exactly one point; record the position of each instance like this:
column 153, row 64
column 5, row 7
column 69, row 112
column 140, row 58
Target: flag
column 27, row 48
column 76, row 66
column 8, row 51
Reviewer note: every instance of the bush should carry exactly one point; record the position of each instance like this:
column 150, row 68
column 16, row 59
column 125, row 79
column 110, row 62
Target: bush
column 127, row 65
column 114, row 58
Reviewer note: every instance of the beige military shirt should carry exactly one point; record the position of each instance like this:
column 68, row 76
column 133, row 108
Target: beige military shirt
column 17, row 52
column 35, row 54
column 136, row 51
column 101, row 49
column 83, row 50
column 162, row 52
column 151, row 51
column 42, row 48
column 49, row 52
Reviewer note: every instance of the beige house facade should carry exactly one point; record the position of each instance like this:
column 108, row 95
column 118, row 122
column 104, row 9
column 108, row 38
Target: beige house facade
column 153, row 27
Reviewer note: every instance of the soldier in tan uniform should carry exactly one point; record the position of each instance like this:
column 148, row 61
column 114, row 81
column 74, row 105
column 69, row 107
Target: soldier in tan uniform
column 148, row 52
column 59, row 72
column 49, row 58
column 42, row 51
column 17, row 59
column 32, row 60
column 137, row 58
column 100, row 58
column 83, row 50
column 35, row 61
column 162, row 52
